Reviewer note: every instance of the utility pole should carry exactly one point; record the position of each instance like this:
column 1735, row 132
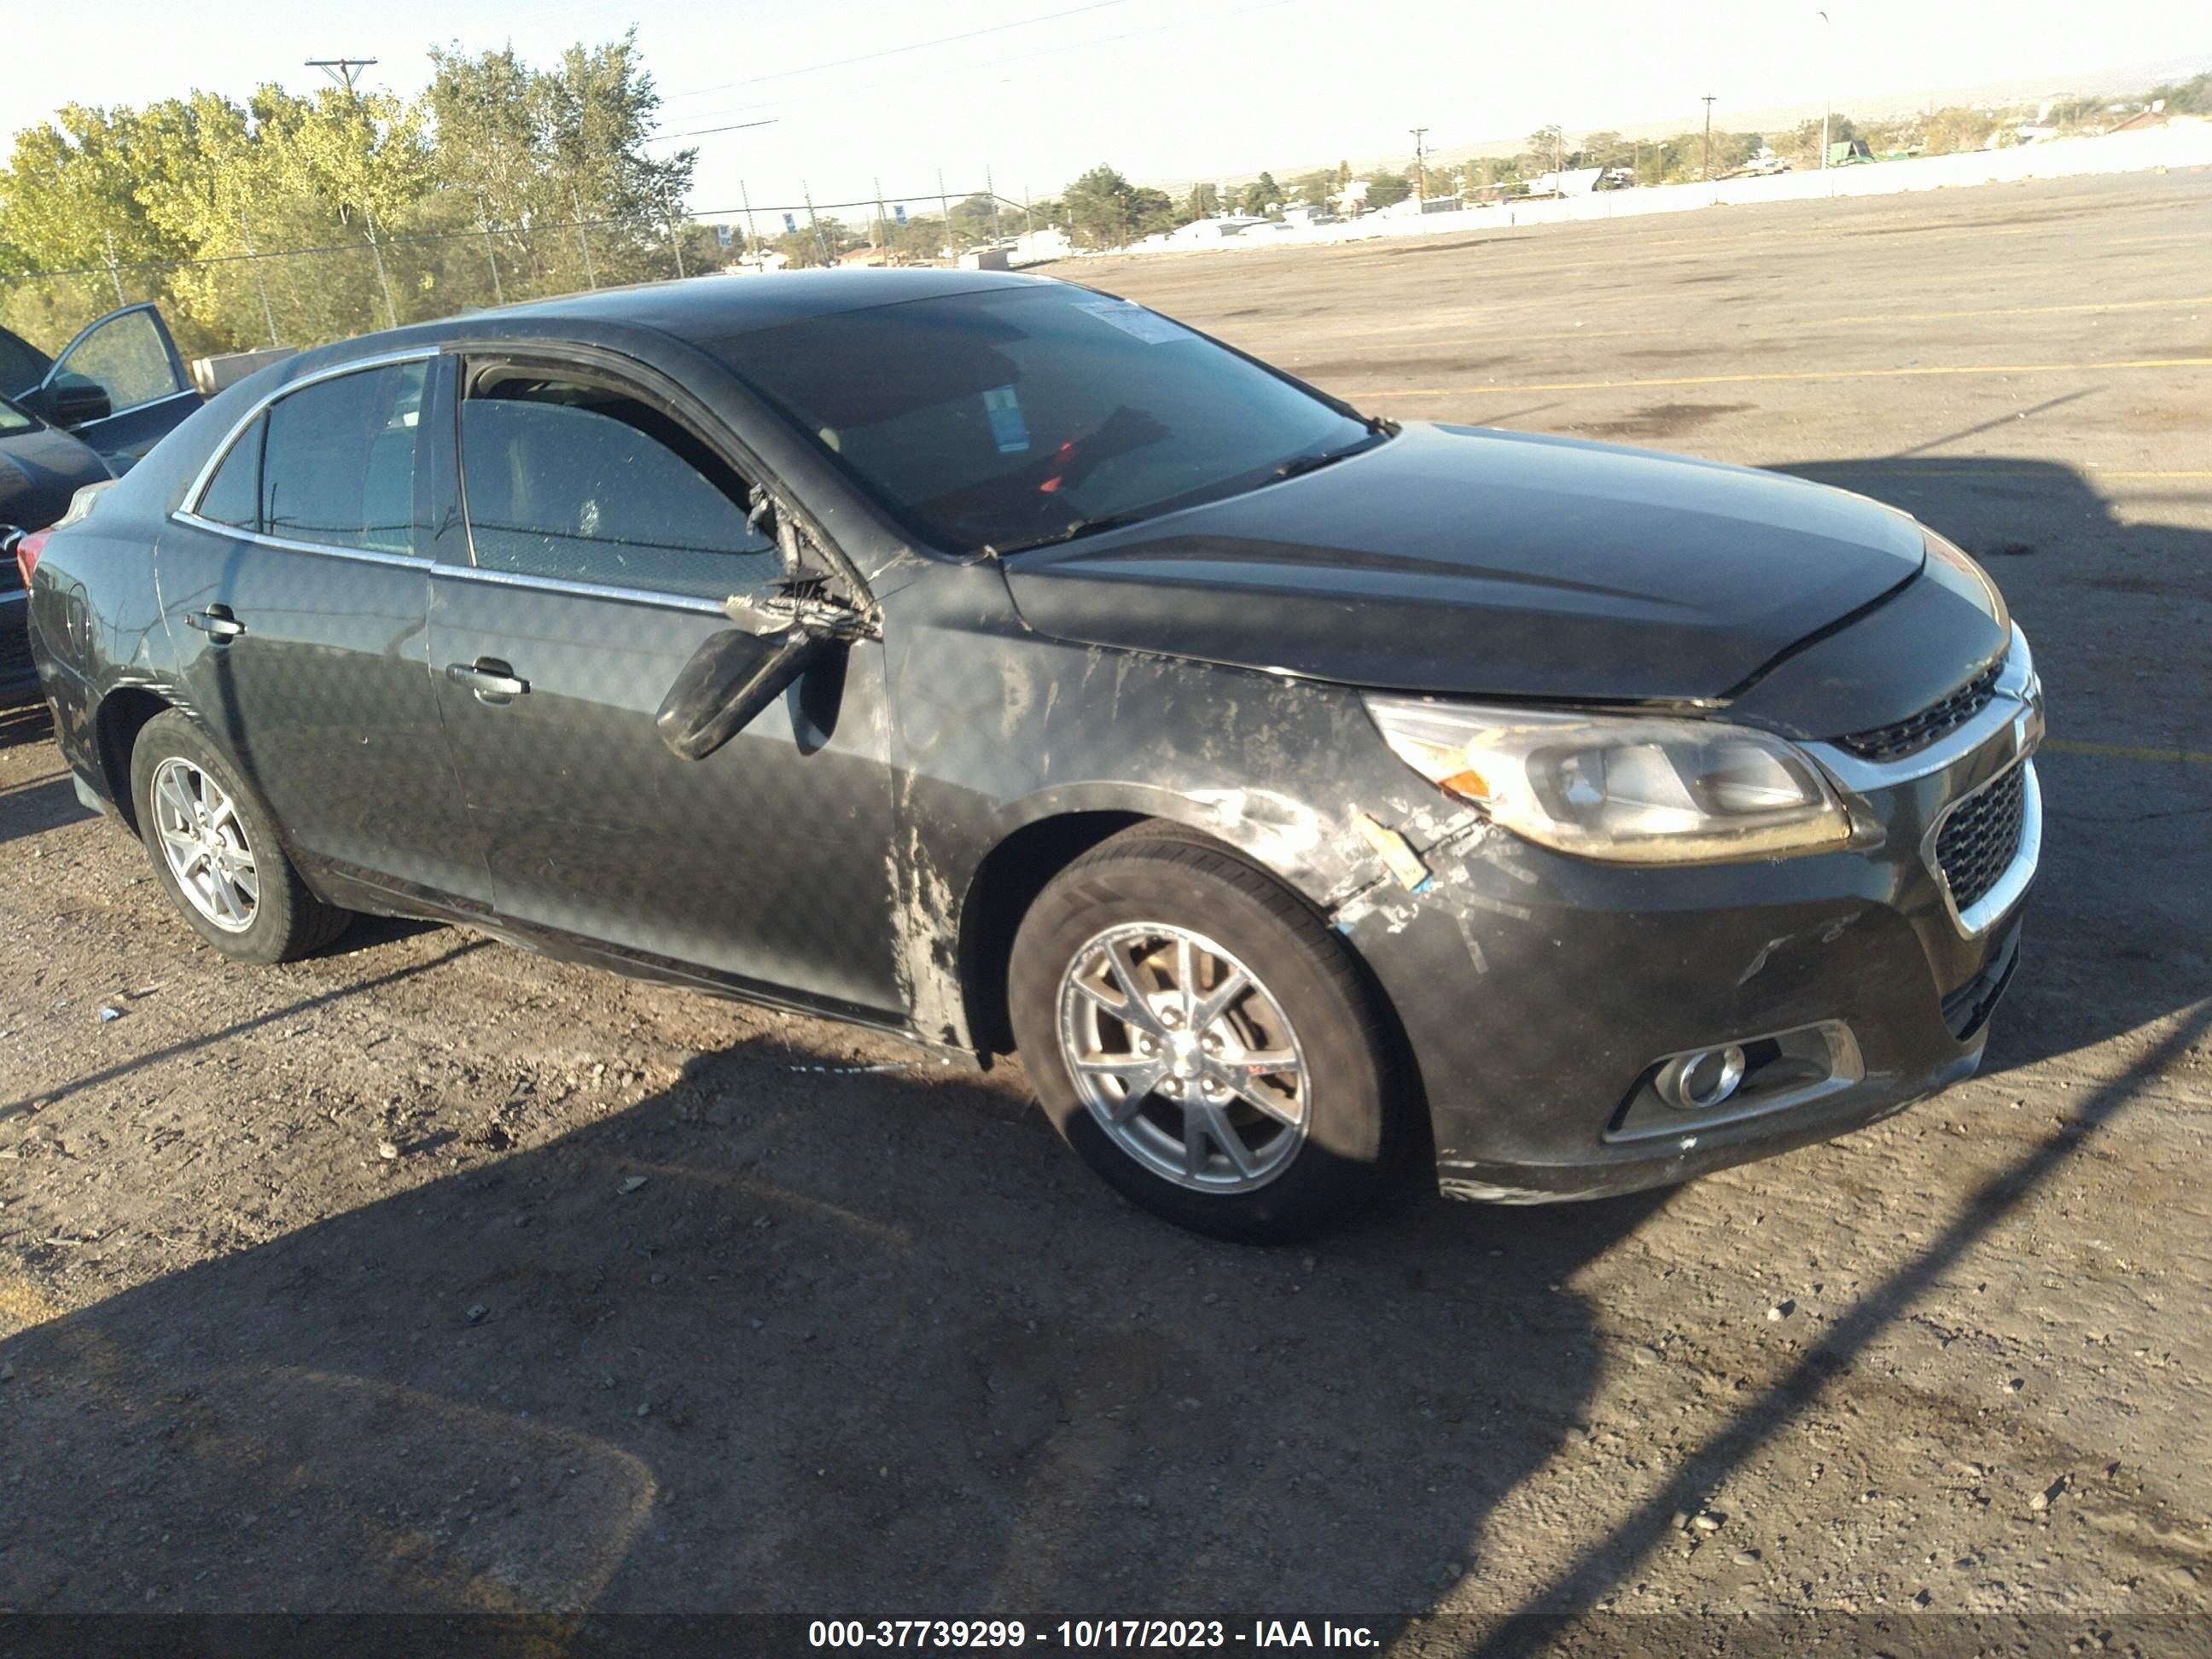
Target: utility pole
column 341, row 70
column 491, row 258
column 821, row 246
column 991, row 190
column 1827, row 98
column 752, row 236
column 882, row 215
column 1420, row 164
column 114, row 270
column 590, row 276
column 951, row 248
column 268, row 316
column 675, row 242
column 376, row 253
column 1709, row 136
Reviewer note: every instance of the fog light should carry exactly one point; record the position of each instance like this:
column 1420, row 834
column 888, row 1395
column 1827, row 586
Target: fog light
column 1696, row 1082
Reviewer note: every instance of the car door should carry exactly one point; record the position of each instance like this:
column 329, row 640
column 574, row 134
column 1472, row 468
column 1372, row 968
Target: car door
column 603, row 533
column 294, row 583
column 128, row 355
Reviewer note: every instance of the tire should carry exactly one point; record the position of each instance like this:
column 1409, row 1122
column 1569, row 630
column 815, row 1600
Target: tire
column 247, row 900
column 1144, row 891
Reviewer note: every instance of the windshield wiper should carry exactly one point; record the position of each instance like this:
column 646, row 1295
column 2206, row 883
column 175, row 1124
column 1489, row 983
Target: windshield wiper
column 1299, row 464
column 1081, row 527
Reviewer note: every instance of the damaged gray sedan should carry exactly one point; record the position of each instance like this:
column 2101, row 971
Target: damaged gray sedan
column 990, row 661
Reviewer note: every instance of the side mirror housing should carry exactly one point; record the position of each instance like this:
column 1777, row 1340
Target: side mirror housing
column 731, row 677
column 71, row 401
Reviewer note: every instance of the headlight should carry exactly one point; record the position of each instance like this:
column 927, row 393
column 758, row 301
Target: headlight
column 1625, row 789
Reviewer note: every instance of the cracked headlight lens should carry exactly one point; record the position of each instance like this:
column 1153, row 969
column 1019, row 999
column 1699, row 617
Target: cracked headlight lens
column 1623, row 788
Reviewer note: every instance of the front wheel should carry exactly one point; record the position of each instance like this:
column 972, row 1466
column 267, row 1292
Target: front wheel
column 215, row 853
column 1200, row 1036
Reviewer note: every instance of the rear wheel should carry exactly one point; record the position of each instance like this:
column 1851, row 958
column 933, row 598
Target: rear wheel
column 215, row 849
column 1198, row 1035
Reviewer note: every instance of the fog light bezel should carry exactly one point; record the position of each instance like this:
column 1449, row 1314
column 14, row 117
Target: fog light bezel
column 1676, row 1080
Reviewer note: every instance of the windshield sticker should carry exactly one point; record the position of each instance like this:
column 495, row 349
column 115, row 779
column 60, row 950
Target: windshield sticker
column 1008, row 429
column 1133, row 318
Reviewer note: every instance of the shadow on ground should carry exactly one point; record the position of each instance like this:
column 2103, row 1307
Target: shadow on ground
column 729, row 1350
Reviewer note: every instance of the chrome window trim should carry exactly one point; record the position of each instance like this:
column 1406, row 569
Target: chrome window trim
column 2016, row 704
column 1980, row 916
column 366, row 554
column 474, row 573
column 188, row 508
column 186, row 390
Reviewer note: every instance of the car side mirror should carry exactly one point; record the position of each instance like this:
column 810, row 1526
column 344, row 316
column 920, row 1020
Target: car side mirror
column 731, row 678
column 71, row 401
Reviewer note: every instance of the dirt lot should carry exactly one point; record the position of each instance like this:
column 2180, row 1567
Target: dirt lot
column 431, row 1274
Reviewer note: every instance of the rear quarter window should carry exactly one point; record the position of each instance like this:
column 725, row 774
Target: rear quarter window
column 338, row 465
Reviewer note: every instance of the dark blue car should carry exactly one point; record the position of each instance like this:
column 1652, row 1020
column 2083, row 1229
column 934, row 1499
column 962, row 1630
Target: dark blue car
column 81, row 418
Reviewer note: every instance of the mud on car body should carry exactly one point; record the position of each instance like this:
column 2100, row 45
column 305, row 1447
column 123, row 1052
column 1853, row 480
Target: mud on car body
column 999, row 663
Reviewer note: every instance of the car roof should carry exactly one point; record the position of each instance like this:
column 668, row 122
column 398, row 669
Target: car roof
column 702, row 312
column 719, row 306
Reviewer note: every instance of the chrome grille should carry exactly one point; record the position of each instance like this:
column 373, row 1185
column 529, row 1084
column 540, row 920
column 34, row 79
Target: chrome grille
column 1980, row 838
column 1916, row 731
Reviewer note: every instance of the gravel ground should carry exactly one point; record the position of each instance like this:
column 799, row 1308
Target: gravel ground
column 430, row 1274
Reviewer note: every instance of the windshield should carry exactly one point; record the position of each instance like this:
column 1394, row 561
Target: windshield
column 997, row 419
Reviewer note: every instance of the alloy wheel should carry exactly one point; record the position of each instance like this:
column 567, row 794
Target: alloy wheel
column 204, row 842
column 1184, row 1059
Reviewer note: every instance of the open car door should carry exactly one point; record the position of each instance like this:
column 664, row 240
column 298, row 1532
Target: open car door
column 119, row 387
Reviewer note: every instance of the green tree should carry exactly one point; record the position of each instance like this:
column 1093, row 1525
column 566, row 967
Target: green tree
column 1104, row 210
column 1387, row 189
column 1204, row 202
column 1262, row 193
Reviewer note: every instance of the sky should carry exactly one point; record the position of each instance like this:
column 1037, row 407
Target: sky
column 862, row 94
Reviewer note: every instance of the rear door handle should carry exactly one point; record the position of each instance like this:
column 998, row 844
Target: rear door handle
column 216, row 622
column 492, row 680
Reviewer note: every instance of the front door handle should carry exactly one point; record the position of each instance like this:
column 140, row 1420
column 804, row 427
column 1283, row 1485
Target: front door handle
column 493, row 681
column 216, row 622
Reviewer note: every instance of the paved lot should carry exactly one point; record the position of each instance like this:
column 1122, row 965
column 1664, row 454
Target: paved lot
column 871, row 1340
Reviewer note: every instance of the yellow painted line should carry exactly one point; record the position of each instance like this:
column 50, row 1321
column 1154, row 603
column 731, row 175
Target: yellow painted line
column 1488, row 387
column 2130, row 752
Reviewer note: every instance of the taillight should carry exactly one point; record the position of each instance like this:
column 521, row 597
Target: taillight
column 26, row 554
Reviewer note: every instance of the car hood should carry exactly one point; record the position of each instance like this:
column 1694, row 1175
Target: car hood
column 1476, row 562
column 39, row 470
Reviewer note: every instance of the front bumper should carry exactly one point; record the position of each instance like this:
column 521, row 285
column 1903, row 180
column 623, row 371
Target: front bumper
column 1540, row 994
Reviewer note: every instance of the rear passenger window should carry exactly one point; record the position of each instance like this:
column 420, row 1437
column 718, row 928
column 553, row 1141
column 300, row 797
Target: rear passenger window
column 233, row 495
column 583, row 483
column 337, row 468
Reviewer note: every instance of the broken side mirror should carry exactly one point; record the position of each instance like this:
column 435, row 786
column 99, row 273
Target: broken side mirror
column 731, row 677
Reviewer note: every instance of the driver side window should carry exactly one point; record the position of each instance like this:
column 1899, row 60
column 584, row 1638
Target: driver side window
column 580, row 482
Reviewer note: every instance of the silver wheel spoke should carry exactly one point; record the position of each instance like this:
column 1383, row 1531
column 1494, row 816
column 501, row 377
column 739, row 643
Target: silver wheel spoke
column 1233, row 985
column 1224, row 1134
column 1135, row 1009
column 1266, row 1100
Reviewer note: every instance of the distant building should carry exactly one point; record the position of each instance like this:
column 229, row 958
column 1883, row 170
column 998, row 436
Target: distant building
column 756, row 264
column 1036, row 247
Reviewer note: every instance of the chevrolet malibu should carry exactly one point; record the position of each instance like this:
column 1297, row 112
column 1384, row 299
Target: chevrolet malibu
column 981, row 658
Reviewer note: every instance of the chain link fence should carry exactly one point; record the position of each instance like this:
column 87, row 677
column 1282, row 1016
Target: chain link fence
column 262, row 293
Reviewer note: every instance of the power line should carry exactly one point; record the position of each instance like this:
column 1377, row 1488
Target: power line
column 704, row 132
column 893, row 52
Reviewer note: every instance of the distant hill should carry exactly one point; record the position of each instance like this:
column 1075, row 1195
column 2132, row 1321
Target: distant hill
column 1879, row 105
